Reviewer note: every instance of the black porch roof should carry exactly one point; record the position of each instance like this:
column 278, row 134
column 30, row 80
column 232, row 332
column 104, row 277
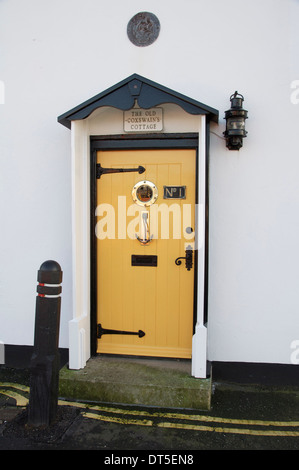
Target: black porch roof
column 147, row 93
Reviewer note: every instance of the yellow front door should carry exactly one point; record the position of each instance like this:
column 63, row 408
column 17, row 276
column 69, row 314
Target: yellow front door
column 145, row 221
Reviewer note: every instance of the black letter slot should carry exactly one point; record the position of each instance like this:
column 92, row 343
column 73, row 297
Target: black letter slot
column 144, row 260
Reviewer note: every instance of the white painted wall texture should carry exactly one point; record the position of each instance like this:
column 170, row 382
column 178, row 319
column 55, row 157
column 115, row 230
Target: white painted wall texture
column 56, row 54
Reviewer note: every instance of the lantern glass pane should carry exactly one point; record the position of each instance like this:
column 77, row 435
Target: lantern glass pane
column 236, row 123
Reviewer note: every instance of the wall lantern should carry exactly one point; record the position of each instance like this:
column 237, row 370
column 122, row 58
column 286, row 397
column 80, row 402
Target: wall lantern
column 235, row 122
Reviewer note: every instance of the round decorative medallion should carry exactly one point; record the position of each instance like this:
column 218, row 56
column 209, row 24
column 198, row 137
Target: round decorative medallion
column 143, row 29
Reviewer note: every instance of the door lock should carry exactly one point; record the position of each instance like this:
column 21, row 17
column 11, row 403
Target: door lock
column 188, row 258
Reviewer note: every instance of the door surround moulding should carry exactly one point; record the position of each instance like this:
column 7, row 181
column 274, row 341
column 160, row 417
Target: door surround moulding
column 121, row 95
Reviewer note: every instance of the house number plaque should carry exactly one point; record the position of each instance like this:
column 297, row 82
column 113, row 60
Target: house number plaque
column 174, row 192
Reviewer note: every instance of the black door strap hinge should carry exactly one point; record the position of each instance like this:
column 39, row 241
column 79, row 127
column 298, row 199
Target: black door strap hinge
column 103, row 171
column 104, row 331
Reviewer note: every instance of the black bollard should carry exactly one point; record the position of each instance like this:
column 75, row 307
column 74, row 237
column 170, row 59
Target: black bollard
column 45, row 361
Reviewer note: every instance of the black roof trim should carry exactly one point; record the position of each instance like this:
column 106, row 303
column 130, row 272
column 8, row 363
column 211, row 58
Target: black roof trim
column 147, row 93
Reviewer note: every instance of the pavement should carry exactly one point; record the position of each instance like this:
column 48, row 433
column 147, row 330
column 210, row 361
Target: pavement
column 241, row 417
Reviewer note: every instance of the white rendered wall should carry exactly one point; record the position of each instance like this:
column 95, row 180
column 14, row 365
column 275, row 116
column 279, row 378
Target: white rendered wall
column 56, row 54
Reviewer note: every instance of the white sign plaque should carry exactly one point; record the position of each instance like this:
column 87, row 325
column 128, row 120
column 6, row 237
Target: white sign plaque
column 143, row 120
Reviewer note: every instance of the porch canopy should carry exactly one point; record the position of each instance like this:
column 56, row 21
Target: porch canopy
column 147, row 94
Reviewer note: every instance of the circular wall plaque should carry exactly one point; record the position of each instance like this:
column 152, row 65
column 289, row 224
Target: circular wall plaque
column 143, row 29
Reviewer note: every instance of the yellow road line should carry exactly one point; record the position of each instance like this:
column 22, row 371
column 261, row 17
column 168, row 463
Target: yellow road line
column 20, row 399
column 93, row 412
column 191, row 417
column 24, row 388
column 113, row 419
column 194, row 427
column 252, row 432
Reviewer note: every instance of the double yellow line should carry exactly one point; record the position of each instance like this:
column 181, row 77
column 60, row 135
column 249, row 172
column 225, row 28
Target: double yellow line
column 195, row 422
column 170, row 420
column 20, row 399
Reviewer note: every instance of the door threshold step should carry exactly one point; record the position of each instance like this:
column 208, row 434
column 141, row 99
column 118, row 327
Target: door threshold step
column 134, row 381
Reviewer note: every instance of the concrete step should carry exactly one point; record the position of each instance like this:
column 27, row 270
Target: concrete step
column 135, row 381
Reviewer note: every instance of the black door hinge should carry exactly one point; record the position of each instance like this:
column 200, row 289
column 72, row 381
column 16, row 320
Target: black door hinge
column 103, row 171
column 104, row 331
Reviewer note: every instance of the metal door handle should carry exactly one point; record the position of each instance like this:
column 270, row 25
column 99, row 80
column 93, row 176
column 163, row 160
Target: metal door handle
column 144, row 239
column 188, row 258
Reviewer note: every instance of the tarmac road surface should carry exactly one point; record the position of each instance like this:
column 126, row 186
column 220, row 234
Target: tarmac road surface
column 241, row 418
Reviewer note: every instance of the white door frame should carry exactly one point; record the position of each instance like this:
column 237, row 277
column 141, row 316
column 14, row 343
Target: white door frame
column 79, row 325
